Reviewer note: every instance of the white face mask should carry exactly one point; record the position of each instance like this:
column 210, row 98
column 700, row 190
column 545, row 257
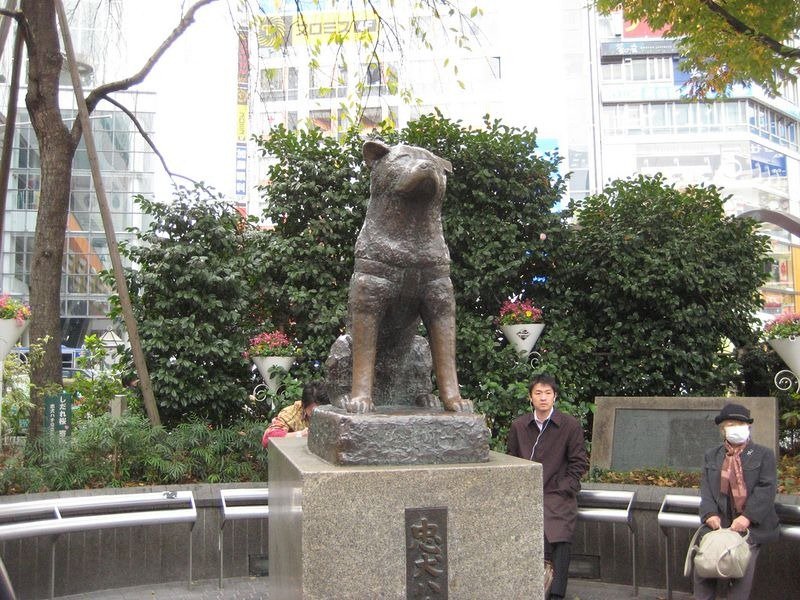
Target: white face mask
column 737, row 434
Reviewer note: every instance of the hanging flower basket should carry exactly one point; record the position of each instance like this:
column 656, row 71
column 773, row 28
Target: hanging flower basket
column 268, row 350
column 523, row 336
column 265, row 364
column 783, row 334
column 14, row 318
column 521, row 323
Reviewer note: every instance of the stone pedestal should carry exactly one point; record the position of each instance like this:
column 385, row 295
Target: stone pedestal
column 344, row 531
column 397, row 435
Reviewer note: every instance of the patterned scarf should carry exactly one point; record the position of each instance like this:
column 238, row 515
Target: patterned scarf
column 732, row 481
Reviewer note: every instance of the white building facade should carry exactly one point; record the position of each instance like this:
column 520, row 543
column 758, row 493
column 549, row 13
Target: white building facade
column 602, row 92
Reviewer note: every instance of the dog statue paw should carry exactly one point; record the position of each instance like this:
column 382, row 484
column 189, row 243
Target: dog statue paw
column 458, row 405
column 359, row 404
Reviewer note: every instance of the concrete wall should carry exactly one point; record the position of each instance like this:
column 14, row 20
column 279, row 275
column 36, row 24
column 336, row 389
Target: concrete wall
column 607, row 546
column 124, row 557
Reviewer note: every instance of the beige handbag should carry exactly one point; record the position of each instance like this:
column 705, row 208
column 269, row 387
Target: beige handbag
column 721, row 553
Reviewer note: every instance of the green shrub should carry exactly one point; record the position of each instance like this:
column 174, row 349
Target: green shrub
column 106, row 452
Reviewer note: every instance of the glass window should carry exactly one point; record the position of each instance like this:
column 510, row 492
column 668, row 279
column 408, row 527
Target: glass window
column 23, row 256
column 273, row 84
column 292, row 79
column 659, row 118
column 611, row 71
column 370, row 119
column 319, row 84
column 321, row 119
column 679, row 76
column 682, row 115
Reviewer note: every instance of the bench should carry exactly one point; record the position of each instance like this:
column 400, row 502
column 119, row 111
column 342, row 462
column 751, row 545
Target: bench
column 611, row 506
column 56, row 516
column 241, row 503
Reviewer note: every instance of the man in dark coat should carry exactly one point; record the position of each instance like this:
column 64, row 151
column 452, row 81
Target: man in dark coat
column 555, row 440
column 737, row 490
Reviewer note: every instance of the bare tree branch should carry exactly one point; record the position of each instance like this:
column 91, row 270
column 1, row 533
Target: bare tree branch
column 149, row 140
column 744, row 29
column 102, row 91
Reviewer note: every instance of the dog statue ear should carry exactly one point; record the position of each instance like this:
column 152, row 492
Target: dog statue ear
column 446, row 165
column 374, row 150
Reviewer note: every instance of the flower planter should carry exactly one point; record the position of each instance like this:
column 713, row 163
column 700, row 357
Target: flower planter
column 523, row 337
column 265, row 364
column 789, row 351
column 10, row 332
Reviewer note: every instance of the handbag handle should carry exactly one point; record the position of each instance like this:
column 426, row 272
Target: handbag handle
column 688, row 564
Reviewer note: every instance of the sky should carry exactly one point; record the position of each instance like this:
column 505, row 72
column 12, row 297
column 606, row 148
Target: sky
column 195, row 82
column 195, row 89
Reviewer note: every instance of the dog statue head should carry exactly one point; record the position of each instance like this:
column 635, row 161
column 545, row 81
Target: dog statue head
column 407, row 171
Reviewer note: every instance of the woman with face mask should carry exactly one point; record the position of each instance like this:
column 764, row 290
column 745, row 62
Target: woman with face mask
column 737, row 490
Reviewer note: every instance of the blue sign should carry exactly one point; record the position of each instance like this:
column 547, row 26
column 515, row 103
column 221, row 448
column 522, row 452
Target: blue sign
column 767, row 162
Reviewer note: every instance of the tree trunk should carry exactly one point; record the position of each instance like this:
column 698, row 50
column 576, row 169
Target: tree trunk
column 56, row 150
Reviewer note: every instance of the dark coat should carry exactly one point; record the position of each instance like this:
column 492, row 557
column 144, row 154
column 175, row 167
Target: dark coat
column 562, row 453
column 760, row 476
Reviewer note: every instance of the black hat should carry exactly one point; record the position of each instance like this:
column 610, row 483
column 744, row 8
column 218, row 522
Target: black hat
column 733, row 412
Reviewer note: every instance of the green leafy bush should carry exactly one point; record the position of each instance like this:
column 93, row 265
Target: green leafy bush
column 105, row 452
column 653, row 285
column 195, row 295
column 16, row 396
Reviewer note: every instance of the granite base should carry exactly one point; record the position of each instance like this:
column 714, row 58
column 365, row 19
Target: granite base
column 341, row 531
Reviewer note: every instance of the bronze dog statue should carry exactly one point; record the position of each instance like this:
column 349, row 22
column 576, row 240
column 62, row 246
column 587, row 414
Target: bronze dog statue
column 402, row 275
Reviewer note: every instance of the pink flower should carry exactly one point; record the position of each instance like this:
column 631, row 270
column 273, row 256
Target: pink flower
column 270, row 343
column 11, row 308
column 513, row 312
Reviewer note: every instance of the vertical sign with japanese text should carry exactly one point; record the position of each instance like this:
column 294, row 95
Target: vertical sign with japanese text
column 58, row 414
column 426, row 554
column 242, row 117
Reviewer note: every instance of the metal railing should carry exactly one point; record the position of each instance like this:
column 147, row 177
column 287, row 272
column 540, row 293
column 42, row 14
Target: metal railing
column 611, row 506
column 676, row 510
column 241, row 503
column 56, row 516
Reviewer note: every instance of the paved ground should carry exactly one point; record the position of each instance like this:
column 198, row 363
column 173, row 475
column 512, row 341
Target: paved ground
column 257, row 588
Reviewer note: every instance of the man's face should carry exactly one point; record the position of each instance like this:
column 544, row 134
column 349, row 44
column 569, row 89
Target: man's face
column 542, row 398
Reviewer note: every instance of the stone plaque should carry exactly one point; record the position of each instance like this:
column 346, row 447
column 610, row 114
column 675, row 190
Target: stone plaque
column 662, row 438
column 637, row 432
column 426, row 554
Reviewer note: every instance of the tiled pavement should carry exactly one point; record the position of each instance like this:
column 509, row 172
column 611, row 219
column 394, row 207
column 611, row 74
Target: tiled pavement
column 257, row 588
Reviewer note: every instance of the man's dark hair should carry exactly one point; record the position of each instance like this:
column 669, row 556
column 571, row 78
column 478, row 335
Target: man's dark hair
column 544, row 379
column 315, row 392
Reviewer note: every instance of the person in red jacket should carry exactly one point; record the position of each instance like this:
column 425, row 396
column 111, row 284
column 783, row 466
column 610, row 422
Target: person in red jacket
column 295, row 417
column 555, row 440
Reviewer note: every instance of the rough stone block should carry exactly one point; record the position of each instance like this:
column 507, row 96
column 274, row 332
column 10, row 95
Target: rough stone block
column 398, row 436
